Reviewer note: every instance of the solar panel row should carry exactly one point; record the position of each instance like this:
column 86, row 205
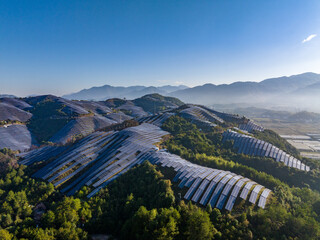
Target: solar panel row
column 199, row 114
column 210, row 186
column 250, row 126
column 251, row 146
column 100, row 157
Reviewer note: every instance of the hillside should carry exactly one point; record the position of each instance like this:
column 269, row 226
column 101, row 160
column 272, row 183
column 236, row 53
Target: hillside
column 166, row 172
column 153, row 103
column 47, row 118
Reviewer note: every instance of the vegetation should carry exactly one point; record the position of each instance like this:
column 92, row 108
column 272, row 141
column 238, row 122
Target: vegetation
column 291, row 207
column 120, row 126
column 147, row 209
column 47, row 113
column 141, row 203
column 206, row 148
column 9, row 122
column 274, row 138
column 32, row 209
column 115, row 102
column 7, row 160
column 155, row 103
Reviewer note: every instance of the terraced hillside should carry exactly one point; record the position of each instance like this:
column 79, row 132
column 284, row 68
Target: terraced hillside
column 200, row 115
column 217, row 188
column 251, row 126
column 53, row 119
column 100, row 157
column 9, row 112
column 103, row 156
column 190, row 153
column 249, row 145
column 16, row 137
column 81, row 127
column 49, row 118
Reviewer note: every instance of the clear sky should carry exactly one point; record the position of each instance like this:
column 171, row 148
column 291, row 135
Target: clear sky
column 58, row 47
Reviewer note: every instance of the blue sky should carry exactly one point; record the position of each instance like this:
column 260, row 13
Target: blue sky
column 60, row 47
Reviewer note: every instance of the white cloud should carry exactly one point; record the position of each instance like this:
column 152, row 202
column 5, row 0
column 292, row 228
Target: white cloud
column 309, row 38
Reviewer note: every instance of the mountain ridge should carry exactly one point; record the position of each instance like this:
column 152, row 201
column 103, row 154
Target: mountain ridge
column 131, row 92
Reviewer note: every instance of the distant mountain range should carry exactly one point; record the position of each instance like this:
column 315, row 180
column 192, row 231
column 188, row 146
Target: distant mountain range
column 298, row 91
column 132, row 92
column 7, row 96
column 246, row 92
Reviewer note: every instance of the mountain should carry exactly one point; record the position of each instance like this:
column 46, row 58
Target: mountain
column 309, row 90
column 280, row 91
column 294, row 92
column 7, row 96
column 132, row 92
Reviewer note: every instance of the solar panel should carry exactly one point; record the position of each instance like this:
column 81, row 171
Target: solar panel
column 256, row 148
column 252, row 147
column 219, row 189
column 254, row 194
column 211, row 187
column 263, row 198
column 246, row 190
column 193, row 188
column 226, row 190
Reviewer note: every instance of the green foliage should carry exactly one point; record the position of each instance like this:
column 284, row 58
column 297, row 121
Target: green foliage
column 196, row 224
column 155, row 103
column 47, row 119
column 292, row 213
column 115, row 102
column 123, row 199
column 206, row 148
column 274, row 138
column 5, row 235
column 152, row 224
column 21, row 198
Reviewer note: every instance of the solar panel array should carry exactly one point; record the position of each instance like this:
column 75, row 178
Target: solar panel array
column 94, row 106
column 252, row 146
column 157, row 119
column 83, row 126
column 118, row 117
column 211, row 186
column 98, row 158
column 16, row 137
column 250, row 126
column 135, row 111
column 10, row 112
column 199, row 114
column 71, row 107
column 225, row 116
column 16, row 102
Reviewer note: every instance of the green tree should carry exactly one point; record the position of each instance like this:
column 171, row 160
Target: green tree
column 5, row 235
